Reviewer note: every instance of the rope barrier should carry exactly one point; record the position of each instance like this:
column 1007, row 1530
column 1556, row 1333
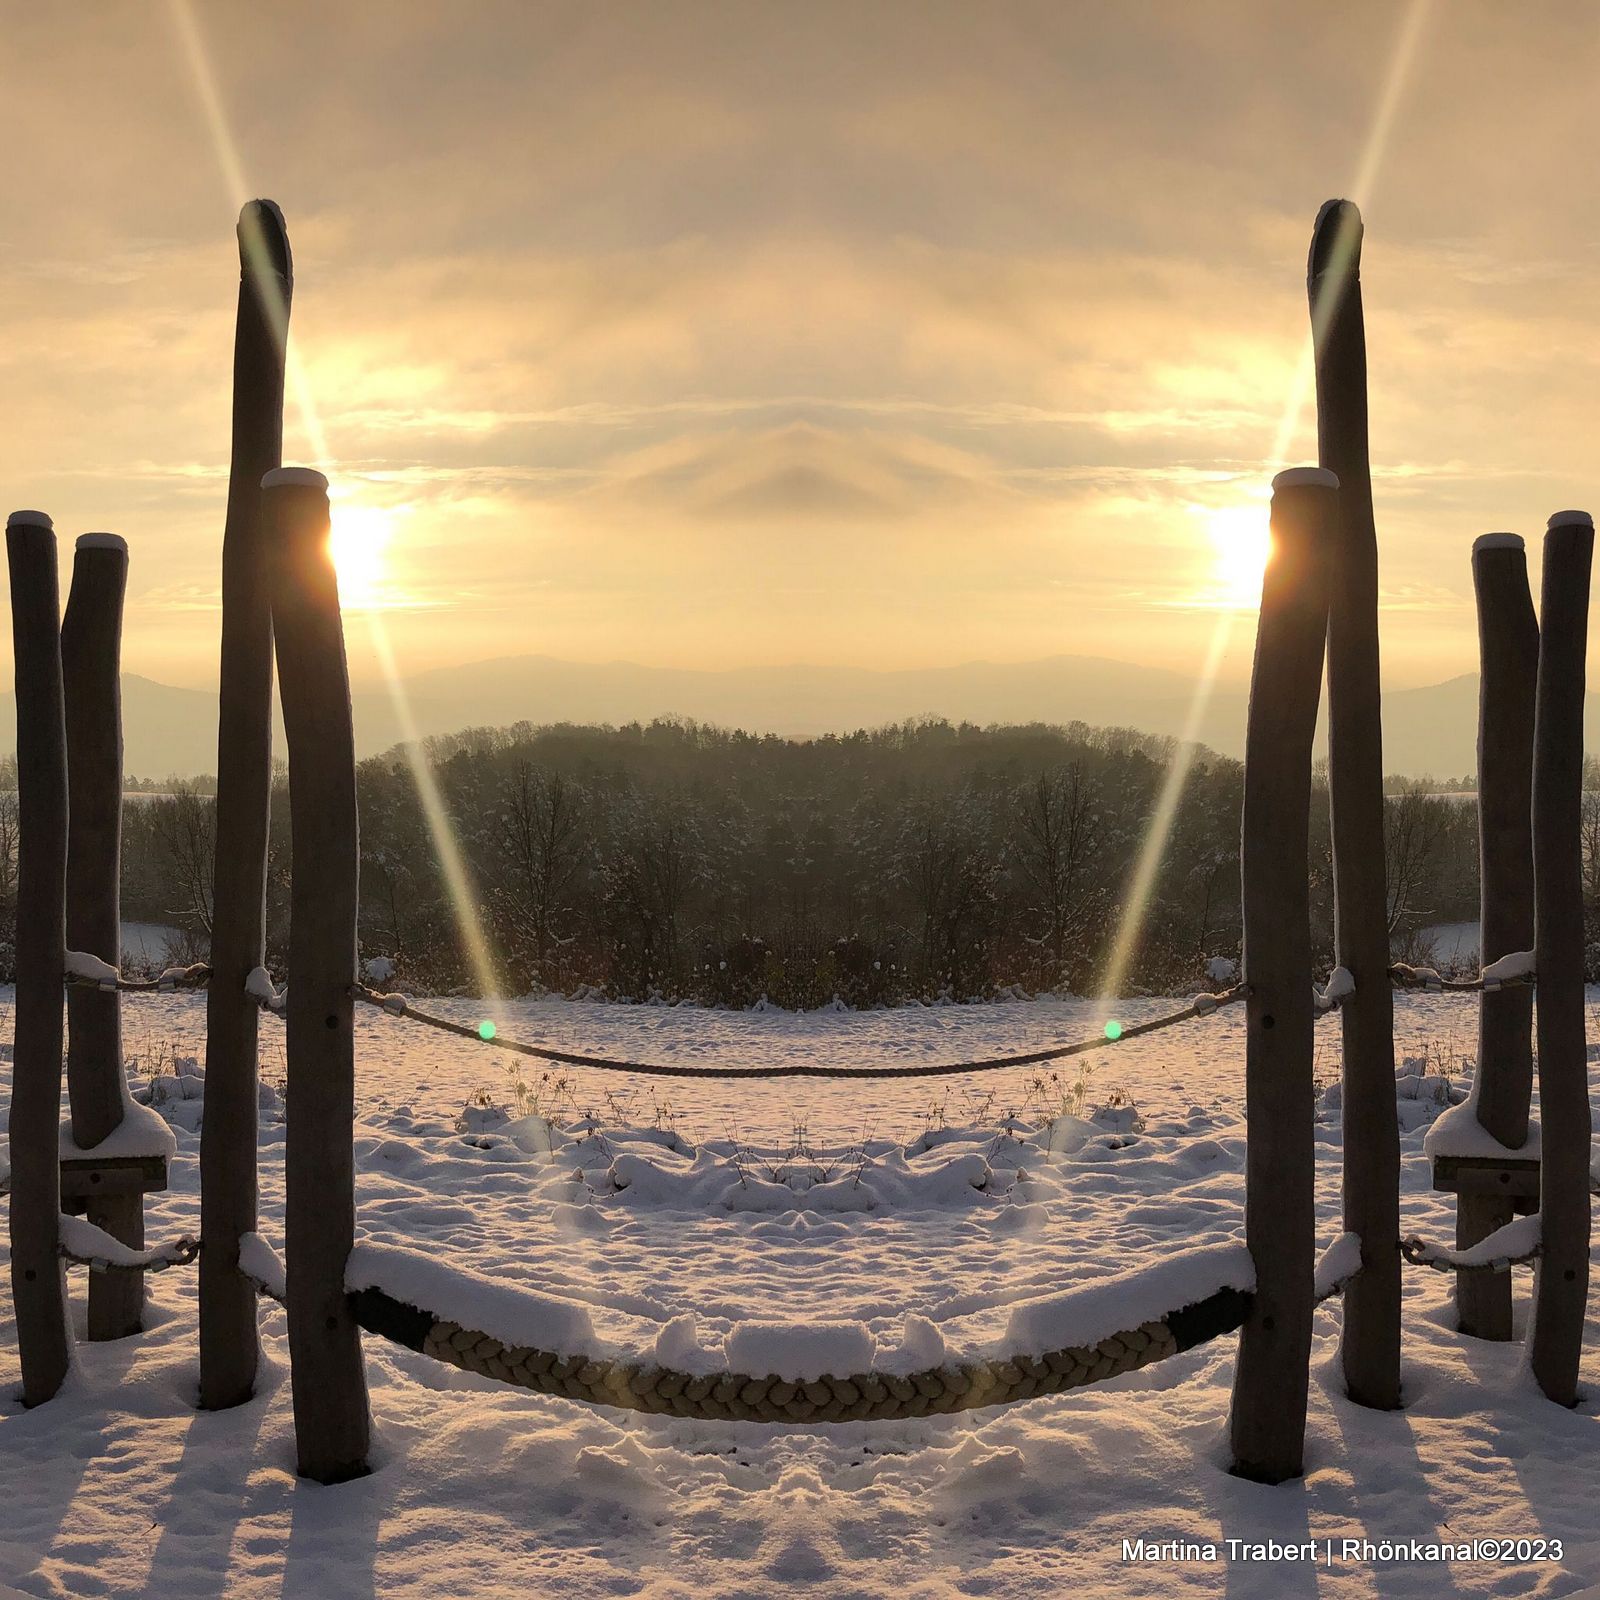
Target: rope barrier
column 398, row 1005
column 639, row 1384
column 179, row 1253
column 1420, row 1253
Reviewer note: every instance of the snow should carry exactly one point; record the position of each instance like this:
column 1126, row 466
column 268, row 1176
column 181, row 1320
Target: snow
column 1145, row 1293
column 1516, row 1238
column 377, row 969
column 1305, row 477
column 29, row 519
column 800, row 1352
column 296, row 477
column 1457, row 1132
column 1337, row 1265
column 80, row 964
column 258, row 1260
column 1222, row 969
column 259, row 986
column 1497, row 541
column 1340, row 986
column 102, row 541
column 1519, row 964
column 120, row 1487
column 85, row 1239
column 514, row 1316
column 1571, row 519
column 142, row 1132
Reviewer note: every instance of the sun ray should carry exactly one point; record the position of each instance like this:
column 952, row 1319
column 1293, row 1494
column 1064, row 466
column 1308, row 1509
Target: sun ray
column 1141, row 887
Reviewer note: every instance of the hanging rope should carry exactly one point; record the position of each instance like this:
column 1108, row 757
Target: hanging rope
column 398, row 1006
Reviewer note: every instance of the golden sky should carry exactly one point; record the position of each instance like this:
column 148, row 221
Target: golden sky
column 888, row 335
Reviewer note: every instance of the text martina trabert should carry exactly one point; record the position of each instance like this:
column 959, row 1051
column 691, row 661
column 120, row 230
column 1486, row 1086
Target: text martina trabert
column 1329, row 1550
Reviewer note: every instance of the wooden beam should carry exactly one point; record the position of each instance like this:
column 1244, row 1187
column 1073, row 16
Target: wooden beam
column 1369, row 1344
column 1508, row 657
column 1561, row 1286
column 91, row 665
column 1272, row 1375
column 331, row 1418
column 43, row 1337
column 229, row 1341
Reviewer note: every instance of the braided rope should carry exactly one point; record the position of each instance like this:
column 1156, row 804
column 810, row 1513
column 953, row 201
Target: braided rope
column 639, row 1385
column 1419, row 1252
column 168, row 982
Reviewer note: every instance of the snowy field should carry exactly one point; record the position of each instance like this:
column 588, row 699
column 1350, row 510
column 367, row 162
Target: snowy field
column 796, row 1201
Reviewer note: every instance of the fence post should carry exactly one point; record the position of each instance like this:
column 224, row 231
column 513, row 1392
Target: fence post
column 229, row 1342
column 91, row 653
column 37, row 1291
column 1508, row 657
column 1561, row 1286
column 1271, row 1378
column 1369, row 1342
column 331, row 1420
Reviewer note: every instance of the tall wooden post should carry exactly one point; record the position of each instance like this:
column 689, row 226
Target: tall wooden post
column 91, row 657
column 331, row 1421
column 1561, row 1286
column 1369, row 1346
column 229, row 1343
column 1272, row 1375
column 37, row 1290
column 1508, row 657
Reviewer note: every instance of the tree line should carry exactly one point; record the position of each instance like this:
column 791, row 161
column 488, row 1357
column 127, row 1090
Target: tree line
column 676, row 861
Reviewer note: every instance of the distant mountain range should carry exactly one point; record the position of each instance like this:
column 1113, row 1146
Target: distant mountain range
column 172, row 731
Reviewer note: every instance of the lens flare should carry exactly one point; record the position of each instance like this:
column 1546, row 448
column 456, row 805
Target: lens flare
column 1113, row 1030
column 486, row 1030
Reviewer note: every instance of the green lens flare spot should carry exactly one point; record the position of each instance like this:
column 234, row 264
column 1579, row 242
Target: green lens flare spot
column 1113, row 1031
column 486, row 1030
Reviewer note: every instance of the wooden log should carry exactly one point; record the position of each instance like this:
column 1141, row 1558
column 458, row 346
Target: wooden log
column 1369, row 1345
column 43, row 1338
column 91, row 664
column 1561, row 1285
column 330, row 1393
column 1272, row 1375
column 229, row 1342
column 1508, row 659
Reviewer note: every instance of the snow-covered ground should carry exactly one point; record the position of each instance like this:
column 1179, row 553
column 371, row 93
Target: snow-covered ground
column 669, row 1197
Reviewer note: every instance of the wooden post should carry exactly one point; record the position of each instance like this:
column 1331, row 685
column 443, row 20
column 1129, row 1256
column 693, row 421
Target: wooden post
column 229, row 1343
column 43, row 1337
column 1369, row 1344
column 1271, row 1379
column 1508, row 657
column 331, row 1420
column 1561, row 1286
column 91, row 654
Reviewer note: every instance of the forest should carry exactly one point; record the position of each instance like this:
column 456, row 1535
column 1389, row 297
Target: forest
column 675, row 861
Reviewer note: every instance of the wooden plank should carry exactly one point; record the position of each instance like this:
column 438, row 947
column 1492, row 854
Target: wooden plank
column 43, row 1338
column 1272, row 1375
column 91, row 654
column 1561, row 1286
column 87, row 1177
column 1369, row 1342
column 331, row 1420
column 229, row 1341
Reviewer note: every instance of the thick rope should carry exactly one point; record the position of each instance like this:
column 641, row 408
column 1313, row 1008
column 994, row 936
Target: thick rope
column 1420, row 1253
column 639, row 1385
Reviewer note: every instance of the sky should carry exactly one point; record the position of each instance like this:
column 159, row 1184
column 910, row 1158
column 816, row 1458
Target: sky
column 721, row 335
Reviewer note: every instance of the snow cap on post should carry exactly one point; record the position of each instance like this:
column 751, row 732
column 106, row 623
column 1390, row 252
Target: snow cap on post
column 102, row 541
column 298, row 477
column 1497, row 541
column 29, row 519
column 1305, row 477
column 1571, row 519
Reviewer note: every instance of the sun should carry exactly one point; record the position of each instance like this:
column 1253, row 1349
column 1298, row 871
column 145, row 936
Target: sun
column 1241, row 545
column 359, row 545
